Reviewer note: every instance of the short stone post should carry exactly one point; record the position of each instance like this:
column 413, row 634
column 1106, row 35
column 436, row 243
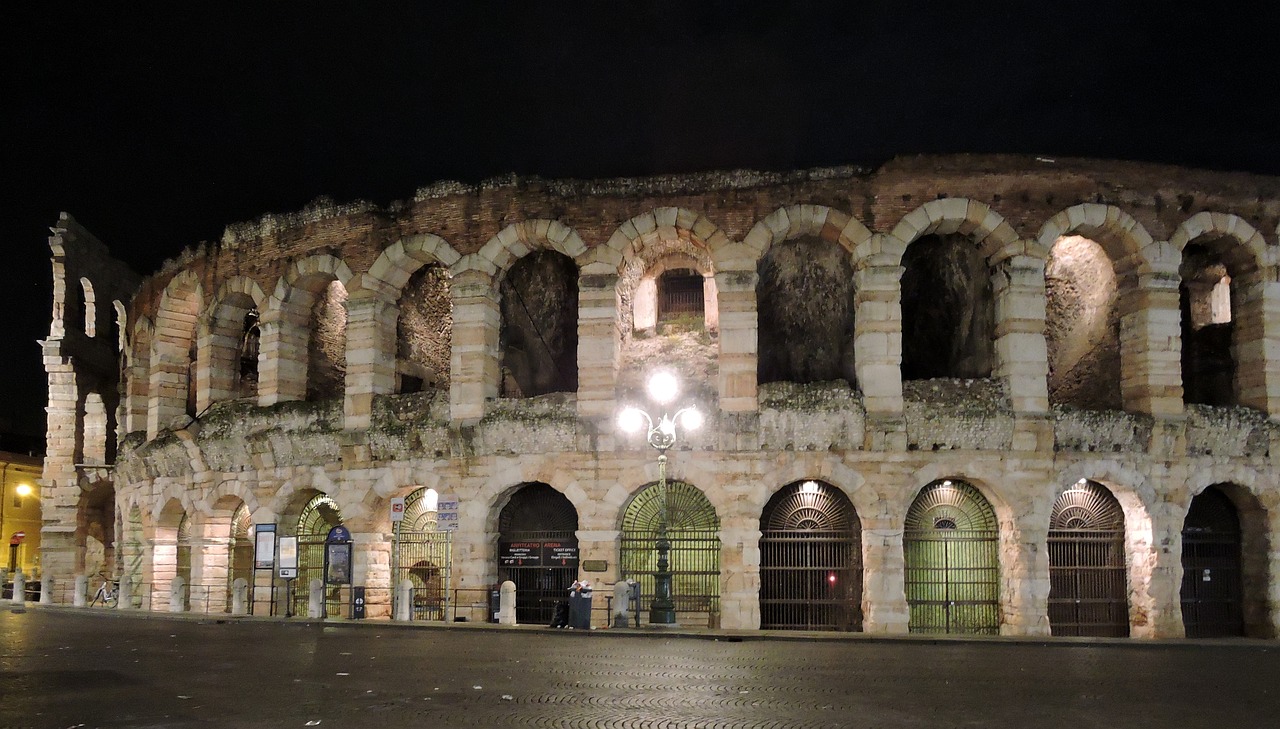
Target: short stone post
column 19, row 589
column 176, row 590
column 124, row 595
column 404, row 597
column 82, row 586
column 240, row 597
column 621, row 604
column 315, row 599
column 507, row 604
column 46, row 590
column 4, row 575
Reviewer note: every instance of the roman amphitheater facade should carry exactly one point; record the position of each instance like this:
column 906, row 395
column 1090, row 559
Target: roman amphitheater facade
column 965, row 394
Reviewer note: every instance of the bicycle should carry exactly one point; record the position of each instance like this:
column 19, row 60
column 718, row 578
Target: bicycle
column 108, row 592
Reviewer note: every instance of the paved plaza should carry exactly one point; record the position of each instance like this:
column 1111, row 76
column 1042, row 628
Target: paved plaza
column 65, row 668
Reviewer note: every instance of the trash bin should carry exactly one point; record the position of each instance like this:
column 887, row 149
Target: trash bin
column 495, row 602
column 580, row 610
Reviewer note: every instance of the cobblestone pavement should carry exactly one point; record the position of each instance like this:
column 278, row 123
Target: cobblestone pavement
column 77, row 668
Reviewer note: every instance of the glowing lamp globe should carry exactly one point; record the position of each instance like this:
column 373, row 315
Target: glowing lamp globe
column 630, row 420
column 691, row 420
column 663, row 387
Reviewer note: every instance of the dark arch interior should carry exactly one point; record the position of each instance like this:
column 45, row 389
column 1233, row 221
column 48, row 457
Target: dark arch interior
column 1208, row 366
column 948, row 310
column 539, row 335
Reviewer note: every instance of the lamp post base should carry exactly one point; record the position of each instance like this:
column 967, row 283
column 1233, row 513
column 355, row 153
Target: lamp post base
column 663, row 610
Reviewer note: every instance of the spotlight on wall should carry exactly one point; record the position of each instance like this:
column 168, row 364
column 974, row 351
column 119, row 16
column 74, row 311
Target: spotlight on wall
column 23, row 489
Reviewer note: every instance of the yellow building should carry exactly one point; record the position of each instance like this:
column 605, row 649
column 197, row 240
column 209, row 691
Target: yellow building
column 20, row 513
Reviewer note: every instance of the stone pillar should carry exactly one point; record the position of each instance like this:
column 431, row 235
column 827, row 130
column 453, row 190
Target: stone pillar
column 736, row 292
column 877, row 338
column 473, row 364
column 218, row 354
column 371, row 355
column 210, row 561
column 1022, row 358
column 1256, row 345
column 371, row 567
column 282, row 352
column 1165, row 584
column 598, row 345
column 1024, row 583
column 164, row 568
column 740, row 576
column 1151, row 344
column 644, row 304
column 884, row 592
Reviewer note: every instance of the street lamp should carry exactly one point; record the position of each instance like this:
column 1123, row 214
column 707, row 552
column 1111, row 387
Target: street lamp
column 663, row 388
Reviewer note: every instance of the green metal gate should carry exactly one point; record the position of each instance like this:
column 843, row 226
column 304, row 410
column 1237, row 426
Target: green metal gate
column 950, row 544
column 694, row 532
column 1088, row 581
column 424, row 557
column 810, row 560
column 536, row 522
column 1212, row 593
column 318, row 517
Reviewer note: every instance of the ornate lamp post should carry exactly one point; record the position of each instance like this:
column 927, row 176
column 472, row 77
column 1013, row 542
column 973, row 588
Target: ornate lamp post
column 663, row 388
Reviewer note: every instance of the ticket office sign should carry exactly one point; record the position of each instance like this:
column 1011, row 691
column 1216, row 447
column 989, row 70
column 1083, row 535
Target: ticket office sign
column 551, row 553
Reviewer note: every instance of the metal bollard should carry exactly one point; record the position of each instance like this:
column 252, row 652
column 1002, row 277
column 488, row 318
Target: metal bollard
column 507, row 604
column 404, row 598
column 240, row 596
column 176, row 590
column 46, row 589
column 82, row 586
column 19, row 589
column 124, row 593
column 315, row 599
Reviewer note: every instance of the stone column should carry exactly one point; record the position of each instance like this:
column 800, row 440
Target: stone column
column 1024, row 583
column 164, row 567
column 282, row 355
column 60, row 487
column 210, row 559
column 1022, row 358
column 1256, row 349
column 736, row 292
column 877, row 338
column 1151, row 344
column 473, row 364
column 371, row 355
column 371, row 567
column 1165, row 584
column 598, row 345
column 884, row 592
column 740, row 575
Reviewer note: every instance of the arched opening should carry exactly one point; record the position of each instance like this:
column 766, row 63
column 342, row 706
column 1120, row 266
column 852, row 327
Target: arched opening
column 95, row 530
column 948, row 310
column 173, row 356
column 423, row 556
column 241, row 548
column 167, row 553
column 538, row 549
column 810, row 560
column 250, row 340
column 1082, row 325
column 327, row 345
column 1208, row 327
column 693, row 529
column 805, row 299
column 681, row 297
column 1088, row 585
column 950, row 543
column 182, row 561
column 97, row 433
column 133, row 554
column 1212, row 580
column 539, row 334
column 318, row 516
column 424, row 331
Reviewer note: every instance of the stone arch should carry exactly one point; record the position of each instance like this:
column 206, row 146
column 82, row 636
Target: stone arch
column 119, row 326
column 805, row 294
column 229, row 342
column 516, row 241
column 170, row 515
column 172, row 364
column 990, row 232
column 304, row 332
column 1086, row 560
column 1223, row 283
column 692, row 529
column 95, row 536
column 137, row 376
column 393, row 267
column 90, row 307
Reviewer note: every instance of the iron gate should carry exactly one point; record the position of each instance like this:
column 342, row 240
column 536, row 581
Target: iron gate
column 538, row 516
column 1088, row 585
column 810, row 560
column 693, row 530
column 1212, row 594
column 317, row 518
column 241, row 551
column 950, row 543
column 424, row 557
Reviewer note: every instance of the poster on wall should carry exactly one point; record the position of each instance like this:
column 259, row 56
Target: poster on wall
column 288, row 557
column 264, row 546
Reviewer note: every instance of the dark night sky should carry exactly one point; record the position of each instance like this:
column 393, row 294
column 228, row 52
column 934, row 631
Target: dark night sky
column 157, row 130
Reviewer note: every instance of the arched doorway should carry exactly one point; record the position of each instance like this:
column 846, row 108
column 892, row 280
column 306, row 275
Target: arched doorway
column 182, row 561
column 317, row 518
column 693, row 528
column 950, row 542
column 241, row 549
column 1212, row 594
column 538, row 550
column 1088, row 585
column 423, row 556
column 810, row 560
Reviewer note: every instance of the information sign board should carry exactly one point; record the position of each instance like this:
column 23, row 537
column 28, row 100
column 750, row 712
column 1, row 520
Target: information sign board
column 447, row 513
column 519, row 554
column 264, row 546
column 397, row 509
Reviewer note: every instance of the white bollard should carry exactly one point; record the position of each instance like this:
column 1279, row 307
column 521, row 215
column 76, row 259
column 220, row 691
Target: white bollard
column 46, row 589
column 404, row 596
column 240, row 597
column 507, row 604
column 621, row 604
column 19, row 589
column 176, row 590
column 82, row 586
column 124, row 593
column 315, row 599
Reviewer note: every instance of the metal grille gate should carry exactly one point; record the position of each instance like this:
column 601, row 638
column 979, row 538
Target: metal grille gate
column 694, row 532
column 810, row 560
column 1088, row 585
column 950, row 543
column 538, row 516
column 1212, row 594
column 317, row 518
column 424, row 557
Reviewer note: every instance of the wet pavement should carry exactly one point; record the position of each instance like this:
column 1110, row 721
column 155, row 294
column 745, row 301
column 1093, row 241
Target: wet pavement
column 62, row 668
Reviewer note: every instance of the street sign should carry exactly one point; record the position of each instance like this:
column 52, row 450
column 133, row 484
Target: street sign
column 447, row 513
column 397, row 509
